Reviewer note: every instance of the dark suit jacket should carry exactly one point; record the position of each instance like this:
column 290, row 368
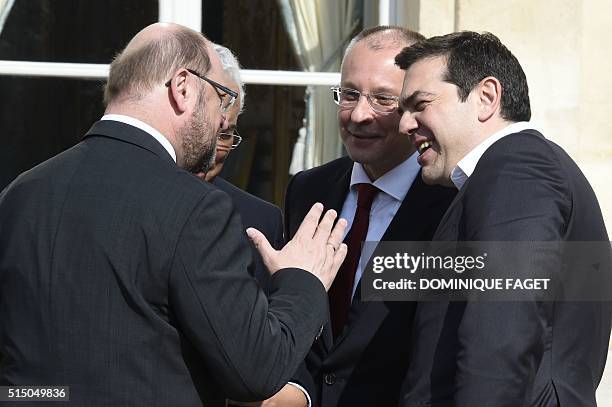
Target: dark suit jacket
column 261, row 215
column 366, row 364
column 125, row 278
column 524, row 188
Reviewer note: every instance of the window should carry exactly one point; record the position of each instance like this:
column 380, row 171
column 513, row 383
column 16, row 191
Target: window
column 66, row 99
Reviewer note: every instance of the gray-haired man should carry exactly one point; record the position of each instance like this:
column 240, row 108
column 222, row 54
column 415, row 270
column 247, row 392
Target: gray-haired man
column 255, row 212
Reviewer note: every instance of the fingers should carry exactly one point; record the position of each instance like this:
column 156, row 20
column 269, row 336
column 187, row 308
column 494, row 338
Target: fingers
column 339, row 256
column 263, row 246
column 337, row 233
column 333, row 261
column 324, row 229
column 309, row 224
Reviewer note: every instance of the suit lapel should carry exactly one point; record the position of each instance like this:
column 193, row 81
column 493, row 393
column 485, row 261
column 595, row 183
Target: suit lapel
column 335, row 200
column 335, row 197
column 448, row 228
column 410, row 223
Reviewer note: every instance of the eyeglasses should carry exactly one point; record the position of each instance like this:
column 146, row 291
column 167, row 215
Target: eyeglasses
column 227, row 97
column 229, row 139
column 348, row 98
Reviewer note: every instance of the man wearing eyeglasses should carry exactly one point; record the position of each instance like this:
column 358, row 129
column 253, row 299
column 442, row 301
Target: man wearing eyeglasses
column 125, row 277
column 363, row 354
column 254, row 212
column 227, row 139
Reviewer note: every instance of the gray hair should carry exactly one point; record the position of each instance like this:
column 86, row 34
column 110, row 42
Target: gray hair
column 231, row 67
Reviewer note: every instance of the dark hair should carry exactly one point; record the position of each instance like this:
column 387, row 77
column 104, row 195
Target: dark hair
column 471, row 57
column 133, row 72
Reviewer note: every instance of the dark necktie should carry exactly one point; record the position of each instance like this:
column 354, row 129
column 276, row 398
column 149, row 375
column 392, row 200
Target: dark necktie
column 341, row 291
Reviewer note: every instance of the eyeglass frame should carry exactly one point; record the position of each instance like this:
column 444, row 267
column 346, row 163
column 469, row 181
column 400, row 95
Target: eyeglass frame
column 338, row 89
column 217, row 86
column 234, row 136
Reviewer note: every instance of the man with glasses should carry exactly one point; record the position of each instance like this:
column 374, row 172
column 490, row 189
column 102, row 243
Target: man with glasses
column 363, row 354
column 254, row 212
column 227, row 139
column 124, row 277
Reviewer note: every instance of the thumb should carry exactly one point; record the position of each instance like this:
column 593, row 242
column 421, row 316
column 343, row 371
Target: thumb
column 261, row 243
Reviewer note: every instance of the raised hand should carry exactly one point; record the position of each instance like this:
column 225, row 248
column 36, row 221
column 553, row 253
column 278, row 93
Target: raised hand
column 316, row 247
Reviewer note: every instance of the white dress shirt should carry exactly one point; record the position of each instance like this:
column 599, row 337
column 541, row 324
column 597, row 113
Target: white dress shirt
column 465, row 167
column 144, row 127
column 393, row 186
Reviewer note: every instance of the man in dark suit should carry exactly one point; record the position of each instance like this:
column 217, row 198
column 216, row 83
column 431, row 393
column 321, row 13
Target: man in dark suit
column 124, row 277
column 465, row 106
column 362, row 356
column 261, row 215
column 254, row 212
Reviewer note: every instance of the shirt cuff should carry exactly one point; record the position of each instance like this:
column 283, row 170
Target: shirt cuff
column 308, row 401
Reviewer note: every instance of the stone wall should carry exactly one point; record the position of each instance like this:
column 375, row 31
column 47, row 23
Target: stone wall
column 565, row 50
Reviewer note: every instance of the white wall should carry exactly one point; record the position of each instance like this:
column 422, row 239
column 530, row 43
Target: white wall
column 565, row 50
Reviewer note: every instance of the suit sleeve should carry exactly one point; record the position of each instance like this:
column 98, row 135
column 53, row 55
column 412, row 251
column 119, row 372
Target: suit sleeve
column 301, row 376
column 249, row 343
column 525, row 197
column 278, row 240
column 290, row 210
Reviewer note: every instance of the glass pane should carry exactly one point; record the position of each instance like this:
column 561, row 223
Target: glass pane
column 45, row 117
column 52, row 114
column 253, row 30
column 269, row 127
column 73, row 31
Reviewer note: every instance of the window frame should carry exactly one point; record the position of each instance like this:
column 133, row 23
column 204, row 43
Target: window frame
column 186, row 12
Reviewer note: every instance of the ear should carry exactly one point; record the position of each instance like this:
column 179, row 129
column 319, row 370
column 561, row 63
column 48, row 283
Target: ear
column 489, row 92
column 179, row 91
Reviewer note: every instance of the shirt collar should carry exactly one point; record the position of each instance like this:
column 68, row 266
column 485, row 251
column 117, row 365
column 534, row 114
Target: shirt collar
column 132, row 121
column 395, row 182
column 465, row 167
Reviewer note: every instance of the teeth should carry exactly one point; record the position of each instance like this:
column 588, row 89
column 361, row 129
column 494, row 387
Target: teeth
column 423, row 146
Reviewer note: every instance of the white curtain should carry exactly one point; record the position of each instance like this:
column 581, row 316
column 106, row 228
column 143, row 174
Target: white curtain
column 5, row 9
column 319, row 30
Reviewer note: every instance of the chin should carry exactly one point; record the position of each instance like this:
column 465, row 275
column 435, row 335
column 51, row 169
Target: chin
column 363, row 157
column 220, row 160
column 431, row 178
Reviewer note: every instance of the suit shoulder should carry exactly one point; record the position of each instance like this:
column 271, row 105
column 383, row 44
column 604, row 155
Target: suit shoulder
column 530, row 142
column 326, row 172
column 243, row 198
column 529, row 150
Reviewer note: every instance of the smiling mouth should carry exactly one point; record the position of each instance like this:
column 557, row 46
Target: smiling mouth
column 363, row 136
column 424, row 146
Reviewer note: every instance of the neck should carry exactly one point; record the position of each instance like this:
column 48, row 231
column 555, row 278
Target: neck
column 493, row 126
column 153, row 117
column 376, row 171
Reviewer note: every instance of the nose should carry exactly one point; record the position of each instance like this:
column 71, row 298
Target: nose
column 408, row 124
column 224, row 122
column 362, row 112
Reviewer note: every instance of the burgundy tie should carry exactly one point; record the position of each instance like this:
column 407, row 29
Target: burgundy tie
column 341, row 291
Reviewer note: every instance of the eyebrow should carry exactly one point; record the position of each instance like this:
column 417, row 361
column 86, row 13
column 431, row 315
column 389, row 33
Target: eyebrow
column 408, row 101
